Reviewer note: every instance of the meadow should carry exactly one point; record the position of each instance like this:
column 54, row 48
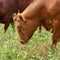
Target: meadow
column 38, row 47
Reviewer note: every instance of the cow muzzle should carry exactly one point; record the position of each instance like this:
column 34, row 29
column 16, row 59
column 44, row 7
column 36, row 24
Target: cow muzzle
column 23, row 41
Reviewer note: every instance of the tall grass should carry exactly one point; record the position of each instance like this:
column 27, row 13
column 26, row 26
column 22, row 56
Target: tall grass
column 38, row 47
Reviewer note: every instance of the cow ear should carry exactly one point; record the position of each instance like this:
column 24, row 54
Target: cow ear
column 22, row 18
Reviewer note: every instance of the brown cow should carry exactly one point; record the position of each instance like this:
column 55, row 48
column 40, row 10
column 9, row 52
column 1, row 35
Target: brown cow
column 8, row 7
column 31, row 18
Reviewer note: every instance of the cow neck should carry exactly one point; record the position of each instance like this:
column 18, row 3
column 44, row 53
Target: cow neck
column 33, row 9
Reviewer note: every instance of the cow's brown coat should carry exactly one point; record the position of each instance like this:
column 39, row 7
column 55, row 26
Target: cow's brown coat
column 39, row 10
column 8, row 7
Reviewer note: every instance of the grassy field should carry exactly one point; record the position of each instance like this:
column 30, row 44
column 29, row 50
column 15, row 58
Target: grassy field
column 38, row 47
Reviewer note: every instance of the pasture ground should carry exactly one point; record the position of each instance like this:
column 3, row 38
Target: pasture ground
column 38, row 47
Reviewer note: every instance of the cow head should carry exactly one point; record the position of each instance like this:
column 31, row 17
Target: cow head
column 25, row 27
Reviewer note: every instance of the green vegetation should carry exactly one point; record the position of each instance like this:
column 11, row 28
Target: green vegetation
column 38, row 47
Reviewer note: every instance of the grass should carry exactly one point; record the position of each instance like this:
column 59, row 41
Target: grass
column 38, row 47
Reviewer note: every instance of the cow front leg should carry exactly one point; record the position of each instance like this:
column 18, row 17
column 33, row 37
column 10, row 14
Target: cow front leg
column 56, row 33
column 13, row 25
column 6, row 27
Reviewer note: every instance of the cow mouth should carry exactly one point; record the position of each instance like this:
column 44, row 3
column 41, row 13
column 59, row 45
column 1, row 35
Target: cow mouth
column 23, row 41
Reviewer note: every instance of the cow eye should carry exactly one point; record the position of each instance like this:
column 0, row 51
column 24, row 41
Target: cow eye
column 22, row 30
